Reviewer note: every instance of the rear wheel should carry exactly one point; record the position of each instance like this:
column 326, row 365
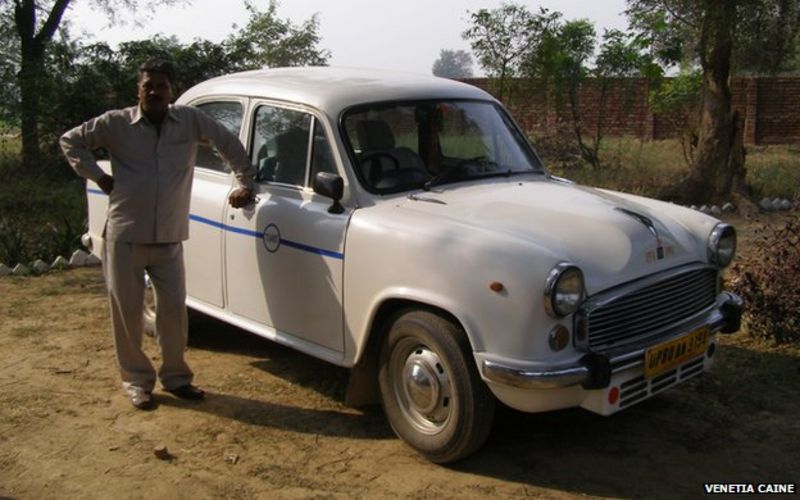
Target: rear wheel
column 149, row 312
column 432, row 394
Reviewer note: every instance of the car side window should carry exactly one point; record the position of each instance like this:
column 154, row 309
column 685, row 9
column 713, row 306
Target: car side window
column 280, row 145
column 229, row 114
column 321, row 155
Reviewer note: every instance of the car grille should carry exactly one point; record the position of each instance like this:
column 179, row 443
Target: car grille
column 646, row 311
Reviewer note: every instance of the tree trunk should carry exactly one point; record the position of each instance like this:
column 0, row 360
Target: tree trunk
column 28, row 78
column 32, row 47
column 719, row 163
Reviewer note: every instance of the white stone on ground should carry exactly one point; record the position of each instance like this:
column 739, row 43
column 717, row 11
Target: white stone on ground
column 21, row 270
column 60, row 263
column 78, row 258
column 716, row 211
column 4, row 270
column 728, row 207
column 40, row 266
column 93, row 260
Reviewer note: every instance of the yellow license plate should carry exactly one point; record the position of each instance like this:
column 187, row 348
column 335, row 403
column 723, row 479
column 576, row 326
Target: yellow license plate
column 663, row 357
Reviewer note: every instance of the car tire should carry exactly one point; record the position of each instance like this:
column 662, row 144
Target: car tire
column 149, row 311
column 431, row 391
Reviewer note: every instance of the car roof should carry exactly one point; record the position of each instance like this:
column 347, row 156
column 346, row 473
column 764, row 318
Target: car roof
column 333, row 89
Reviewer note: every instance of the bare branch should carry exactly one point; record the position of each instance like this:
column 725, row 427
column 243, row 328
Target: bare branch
column 673, row 11
column 52, row 24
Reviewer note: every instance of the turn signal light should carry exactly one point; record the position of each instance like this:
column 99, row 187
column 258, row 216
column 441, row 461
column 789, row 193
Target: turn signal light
column 559, row 338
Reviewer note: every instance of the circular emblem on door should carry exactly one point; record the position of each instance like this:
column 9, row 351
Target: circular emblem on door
column 272, row 238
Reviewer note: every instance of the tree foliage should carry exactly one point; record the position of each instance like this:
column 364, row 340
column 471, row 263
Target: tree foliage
column 765, row 35
column 269, row 41
column 36, row 23
column 677, row 100
column 722, row 38
column 557, row 54
column 58, row 82
column 768, row 37
column 9, row 67
column 499, row 39
column 453, row 64
column 559, row 58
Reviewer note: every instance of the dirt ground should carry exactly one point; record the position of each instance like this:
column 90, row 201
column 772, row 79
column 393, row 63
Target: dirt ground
column 274, row 424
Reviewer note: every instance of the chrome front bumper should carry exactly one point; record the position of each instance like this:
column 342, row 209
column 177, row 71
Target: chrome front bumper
column 594, row 370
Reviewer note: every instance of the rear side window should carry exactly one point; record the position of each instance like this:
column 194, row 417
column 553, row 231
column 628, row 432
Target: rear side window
column 229, row 114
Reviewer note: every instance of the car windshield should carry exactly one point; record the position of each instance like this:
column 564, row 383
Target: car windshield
column 418, row 145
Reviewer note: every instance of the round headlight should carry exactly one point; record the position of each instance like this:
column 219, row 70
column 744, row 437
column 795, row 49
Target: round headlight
column 722, row 245
column 564, row 290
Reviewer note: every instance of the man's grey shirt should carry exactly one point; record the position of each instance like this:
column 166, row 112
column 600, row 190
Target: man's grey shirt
column 152, row 171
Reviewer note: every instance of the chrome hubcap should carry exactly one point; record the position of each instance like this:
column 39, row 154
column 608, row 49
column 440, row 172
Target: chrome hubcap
column 421, row 386
column 149, row 300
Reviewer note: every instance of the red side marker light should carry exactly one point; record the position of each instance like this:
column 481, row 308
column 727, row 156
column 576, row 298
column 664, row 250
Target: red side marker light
column 613, row 396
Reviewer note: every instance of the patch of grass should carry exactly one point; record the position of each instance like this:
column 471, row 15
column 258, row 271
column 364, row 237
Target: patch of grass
column 773, row 171
column 633, row 166
column 646, row 167
column 53, row 290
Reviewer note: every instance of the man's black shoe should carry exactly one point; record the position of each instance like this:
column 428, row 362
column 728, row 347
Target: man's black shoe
column 188, row 391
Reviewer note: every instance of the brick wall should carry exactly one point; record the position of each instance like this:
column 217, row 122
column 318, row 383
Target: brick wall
column 770, row 105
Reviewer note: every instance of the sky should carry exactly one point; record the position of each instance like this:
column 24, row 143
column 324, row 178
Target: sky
column 404, row 35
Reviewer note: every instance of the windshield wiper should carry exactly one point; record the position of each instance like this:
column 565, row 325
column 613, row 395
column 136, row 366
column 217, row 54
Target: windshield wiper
column 507, row 172
column 503, row 173
column 448, row 171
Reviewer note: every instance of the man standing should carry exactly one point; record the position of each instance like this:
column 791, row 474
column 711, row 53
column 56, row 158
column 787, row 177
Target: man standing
column 152, row 147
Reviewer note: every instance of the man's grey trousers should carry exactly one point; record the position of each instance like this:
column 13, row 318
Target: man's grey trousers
column 124, row 266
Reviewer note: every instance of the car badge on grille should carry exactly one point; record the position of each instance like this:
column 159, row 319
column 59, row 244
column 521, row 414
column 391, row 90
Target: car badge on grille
column 660, row 252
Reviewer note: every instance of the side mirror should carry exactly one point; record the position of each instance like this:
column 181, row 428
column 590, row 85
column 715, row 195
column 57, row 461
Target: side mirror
column 330, row 185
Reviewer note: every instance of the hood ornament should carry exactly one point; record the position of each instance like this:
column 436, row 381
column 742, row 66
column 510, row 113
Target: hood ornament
column 647, row 221
column 660, row 251
column 414, row 197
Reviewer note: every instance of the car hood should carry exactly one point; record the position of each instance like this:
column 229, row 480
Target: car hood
column 612, row 237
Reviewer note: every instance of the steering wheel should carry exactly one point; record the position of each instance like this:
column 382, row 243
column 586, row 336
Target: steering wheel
column 374, row 175
column 379, row 154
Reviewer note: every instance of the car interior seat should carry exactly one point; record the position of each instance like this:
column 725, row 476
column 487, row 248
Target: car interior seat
column 375, row 136
column 291, row 149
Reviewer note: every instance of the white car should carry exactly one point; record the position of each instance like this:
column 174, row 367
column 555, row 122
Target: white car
column 405, row 228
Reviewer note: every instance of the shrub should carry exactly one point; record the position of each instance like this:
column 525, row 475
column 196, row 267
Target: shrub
column 767, row 281
column 41, row 216
column 558, row 150
column 14, row 245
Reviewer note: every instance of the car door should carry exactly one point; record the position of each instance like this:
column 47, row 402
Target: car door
column 284, row 255
column 210, row 188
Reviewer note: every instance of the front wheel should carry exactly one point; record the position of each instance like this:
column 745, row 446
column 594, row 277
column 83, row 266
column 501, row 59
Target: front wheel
column 431, row 392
